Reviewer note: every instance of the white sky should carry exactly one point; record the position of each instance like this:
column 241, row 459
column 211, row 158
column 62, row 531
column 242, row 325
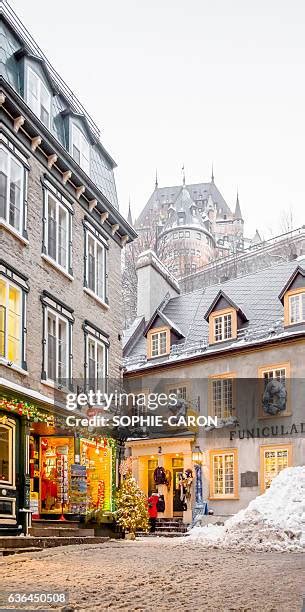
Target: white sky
column 189, row 81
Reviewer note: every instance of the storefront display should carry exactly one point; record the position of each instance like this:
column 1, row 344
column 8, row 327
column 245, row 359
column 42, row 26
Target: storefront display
column 56, row 457
column 98, row 461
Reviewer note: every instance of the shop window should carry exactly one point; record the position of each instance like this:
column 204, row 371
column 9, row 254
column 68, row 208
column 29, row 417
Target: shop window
column 12, row 191
column 222, row 396
column 158, row 342
column 12, row 322
column 38, row 97
column 7, row 451
column 57, row 456
column 58, row 232
column 57, row 342
column 80, row 149
column 95, row 265
column 96, row 457
column 96, row 357
column 223, row 325
column 273, row 459
column 223, row 474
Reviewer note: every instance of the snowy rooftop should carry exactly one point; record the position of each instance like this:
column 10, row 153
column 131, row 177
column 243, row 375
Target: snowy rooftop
column 255, row 294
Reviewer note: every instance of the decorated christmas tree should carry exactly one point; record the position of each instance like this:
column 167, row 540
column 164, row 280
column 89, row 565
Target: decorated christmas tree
column 131, row 506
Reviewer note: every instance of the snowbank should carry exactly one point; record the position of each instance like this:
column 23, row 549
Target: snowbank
column 272, row 521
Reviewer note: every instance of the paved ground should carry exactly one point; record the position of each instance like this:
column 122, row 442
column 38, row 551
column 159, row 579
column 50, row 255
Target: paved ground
column 161, row 575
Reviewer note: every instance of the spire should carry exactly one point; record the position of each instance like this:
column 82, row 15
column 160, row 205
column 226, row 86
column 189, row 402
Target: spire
column 156, row 181
column 183, row 175
column 237, row 213
column 212, row 175
column 129, row 216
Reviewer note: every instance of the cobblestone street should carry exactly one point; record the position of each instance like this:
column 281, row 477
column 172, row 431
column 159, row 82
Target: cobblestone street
column 160, row 574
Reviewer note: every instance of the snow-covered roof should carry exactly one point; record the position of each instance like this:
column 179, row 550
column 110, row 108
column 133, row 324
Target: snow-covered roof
column 255, row 294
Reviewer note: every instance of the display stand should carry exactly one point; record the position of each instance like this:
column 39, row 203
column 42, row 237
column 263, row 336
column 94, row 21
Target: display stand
column 63, row 482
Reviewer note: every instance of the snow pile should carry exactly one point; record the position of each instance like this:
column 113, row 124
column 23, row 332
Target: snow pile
column 272, row 521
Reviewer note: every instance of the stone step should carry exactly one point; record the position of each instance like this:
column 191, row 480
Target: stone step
column 163, row 534
column 48, row 542
column 166, row 530
column 4, row 552
column 56, row 523
column 59, row 531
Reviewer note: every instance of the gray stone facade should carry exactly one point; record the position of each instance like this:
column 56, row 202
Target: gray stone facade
column 42, row 275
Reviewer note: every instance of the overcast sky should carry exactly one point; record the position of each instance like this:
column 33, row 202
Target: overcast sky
column 194, row 82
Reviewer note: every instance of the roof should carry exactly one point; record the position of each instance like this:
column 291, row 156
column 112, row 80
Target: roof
column 197, row 191
column 221, row 294
column 165, row 320
column 255, row 294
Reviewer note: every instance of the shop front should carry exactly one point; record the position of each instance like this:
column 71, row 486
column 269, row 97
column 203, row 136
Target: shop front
column 163, row 465
column 47, row 473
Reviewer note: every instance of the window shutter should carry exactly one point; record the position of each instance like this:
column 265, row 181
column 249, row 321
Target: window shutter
column 106, row 275
column 2, row 330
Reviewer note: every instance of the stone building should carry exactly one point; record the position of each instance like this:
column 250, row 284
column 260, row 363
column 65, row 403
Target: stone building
column 233, row 351
column 61, row 237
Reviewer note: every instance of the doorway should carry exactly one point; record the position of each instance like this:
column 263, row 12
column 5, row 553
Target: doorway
column 151, row 466
column 9, row 429
column 177, row 467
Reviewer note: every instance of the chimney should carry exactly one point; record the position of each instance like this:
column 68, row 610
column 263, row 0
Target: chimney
column 154, row 283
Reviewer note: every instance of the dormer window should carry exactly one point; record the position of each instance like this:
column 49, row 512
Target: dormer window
column 80, row 149
column 158, row 342
column 224, row 317
column 38, row 97
column 292, row 297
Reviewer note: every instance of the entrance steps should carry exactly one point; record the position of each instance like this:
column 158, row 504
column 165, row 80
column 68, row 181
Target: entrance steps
column 168, row 528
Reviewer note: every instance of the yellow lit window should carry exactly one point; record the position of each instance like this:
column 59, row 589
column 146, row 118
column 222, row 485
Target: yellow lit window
column 10, row 322
column 273, row 460
column 297, row 308
column 224, row 474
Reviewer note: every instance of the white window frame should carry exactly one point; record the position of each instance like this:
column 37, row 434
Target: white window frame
column 10, row 426
column 84, row 143
column 97, row 344
column 10, row 157
column 298, row 298
column 223, row 494
column 58, row 318
column 59, row 206
column 36, row 108
column 223, row 401
column 221, row 333
column 8, row 284
column 98, row 244
column 158, row 336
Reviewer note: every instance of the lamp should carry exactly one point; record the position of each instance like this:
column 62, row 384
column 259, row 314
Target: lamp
column 197, row 455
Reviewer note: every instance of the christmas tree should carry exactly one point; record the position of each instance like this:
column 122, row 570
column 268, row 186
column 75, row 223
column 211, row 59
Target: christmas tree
column 131, row 506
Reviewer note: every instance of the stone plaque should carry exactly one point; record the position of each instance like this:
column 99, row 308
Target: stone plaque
column 249, row 479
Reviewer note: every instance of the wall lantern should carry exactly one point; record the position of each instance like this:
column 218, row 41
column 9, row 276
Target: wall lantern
column 197, row 455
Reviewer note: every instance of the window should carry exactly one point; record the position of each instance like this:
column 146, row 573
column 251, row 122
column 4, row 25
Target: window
column 58, row 227
column 80, row 149
column 95, row 268
column 223, row 325
column 57, row 341
column 7, row 454
column 179, row 392
column 273, row 459
column 158, row 342
column 96, row 357
column 57, row 348
column 224, row 474
column 11, row 331
column 11, row 190
column 297, row 308
column 38, row 97
column 222, row 396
